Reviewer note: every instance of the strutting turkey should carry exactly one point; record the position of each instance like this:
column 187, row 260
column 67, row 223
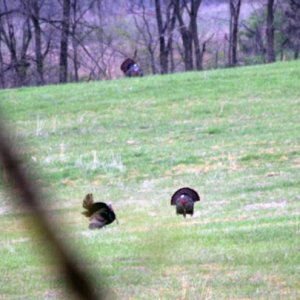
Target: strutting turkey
column 131, row 69
column 184, row 199
column 99, row 213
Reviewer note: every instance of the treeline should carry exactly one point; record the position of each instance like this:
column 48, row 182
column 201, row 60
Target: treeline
column 58, row 41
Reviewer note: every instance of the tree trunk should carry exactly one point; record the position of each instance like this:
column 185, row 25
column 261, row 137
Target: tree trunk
column 170, row 40
column 186, row 37
column 35, row 17
column 171, row 54
column 75, row 59
column 235, row 6
column 188, row 50
column 163, row 59
column 197, row 50
column 165, row 46
column 229, row 53
column 201, row 56
column 2, row 78
column 152, row 59
column 18, row 59
column 225, row 49
column 63, row 60
column 195, row 4
column 235, row 40
column 296, row 52
column 270, row 32
column 74, row 41
column 217, row 57
column 23, row 64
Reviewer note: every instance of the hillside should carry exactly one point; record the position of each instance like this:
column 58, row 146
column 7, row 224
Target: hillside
column 231, row 134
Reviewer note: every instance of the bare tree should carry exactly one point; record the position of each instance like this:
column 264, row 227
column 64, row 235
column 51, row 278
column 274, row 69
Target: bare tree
column 79, row 30
column 189, row 33
column 270, row 31
column 199, row 50
column 73, row 30
column 35, row 17
column 186, row 37
column 45, row 41
column 202, row 50
column 65, row 30
column 2, row 77
column 146, row 35
column 292, row 25
column 235, row 6
column 102, row 50
column 16, row 43
column 256, row 37
column 165, row 30
column 32, row 10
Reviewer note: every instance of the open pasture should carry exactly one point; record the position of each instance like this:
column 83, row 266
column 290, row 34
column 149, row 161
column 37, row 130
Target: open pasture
column 233, row 135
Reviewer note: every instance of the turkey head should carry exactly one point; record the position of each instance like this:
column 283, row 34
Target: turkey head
column 99, row 213
column 184, row 199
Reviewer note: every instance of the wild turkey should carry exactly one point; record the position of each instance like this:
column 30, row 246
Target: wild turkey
column 184, row 199
column 100, row 213
column 130, row 68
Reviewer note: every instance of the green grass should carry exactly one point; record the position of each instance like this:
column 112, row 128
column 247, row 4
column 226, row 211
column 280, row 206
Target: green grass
column 233, row 135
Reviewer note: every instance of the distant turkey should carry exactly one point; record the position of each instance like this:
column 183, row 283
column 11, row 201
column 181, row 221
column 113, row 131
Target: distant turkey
column 131, row 68
column 100, row 213
column 184, row 199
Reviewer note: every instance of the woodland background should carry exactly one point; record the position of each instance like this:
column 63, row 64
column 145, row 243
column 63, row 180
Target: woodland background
column 58, row 41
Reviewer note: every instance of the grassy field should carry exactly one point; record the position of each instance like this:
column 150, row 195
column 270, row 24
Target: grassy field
column 233, row 135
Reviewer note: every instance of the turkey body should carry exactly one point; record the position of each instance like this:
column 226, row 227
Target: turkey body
column 184, row 199
column 99, row 213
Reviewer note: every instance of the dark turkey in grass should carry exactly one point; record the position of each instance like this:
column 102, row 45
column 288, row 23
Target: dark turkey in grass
column 184, row 199
column 99, row 213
